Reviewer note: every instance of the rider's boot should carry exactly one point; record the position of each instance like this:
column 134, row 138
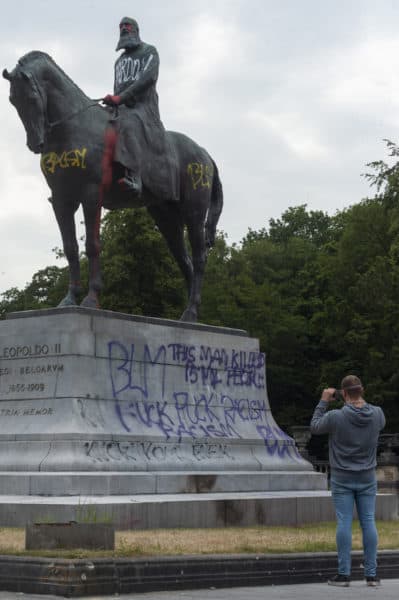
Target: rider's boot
column 131, row 183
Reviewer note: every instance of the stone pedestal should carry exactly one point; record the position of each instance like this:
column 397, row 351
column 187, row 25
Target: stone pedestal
column 95, row 403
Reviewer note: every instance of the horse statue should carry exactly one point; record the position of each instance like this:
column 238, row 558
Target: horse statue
column 76, row 138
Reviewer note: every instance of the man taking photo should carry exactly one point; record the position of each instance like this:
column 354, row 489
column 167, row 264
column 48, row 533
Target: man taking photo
column 353, row 437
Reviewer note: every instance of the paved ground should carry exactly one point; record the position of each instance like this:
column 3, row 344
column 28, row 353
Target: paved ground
column 314, row 591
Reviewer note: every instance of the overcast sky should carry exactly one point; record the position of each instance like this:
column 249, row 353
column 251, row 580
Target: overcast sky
column 291, row 97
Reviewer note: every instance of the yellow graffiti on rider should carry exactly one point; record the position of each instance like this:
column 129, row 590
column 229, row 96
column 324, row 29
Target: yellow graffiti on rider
column 201, row 175
column 72, row 158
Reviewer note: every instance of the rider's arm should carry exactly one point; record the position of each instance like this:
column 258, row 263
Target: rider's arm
column 148, row 76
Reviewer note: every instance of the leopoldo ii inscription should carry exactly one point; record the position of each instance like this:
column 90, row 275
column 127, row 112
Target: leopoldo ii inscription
column 35, row 376
column 142, row 404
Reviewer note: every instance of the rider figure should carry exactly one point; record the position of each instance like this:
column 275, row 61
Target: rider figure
column 141, row 146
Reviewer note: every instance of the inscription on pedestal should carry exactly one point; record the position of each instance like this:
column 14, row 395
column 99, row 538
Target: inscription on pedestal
column 31, row 350
column 26, row 412
column 31, row 373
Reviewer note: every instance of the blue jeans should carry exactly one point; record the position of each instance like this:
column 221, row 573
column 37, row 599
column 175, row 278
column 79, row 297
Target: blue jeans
column 344, row 496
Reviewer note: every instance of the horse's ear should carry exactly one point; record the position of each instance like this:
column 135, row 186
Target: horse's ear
column 6, row 75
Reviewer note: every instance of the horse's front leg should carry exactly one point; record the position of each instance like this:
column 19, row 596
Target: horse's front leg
column 92, row 214
column 64, row 211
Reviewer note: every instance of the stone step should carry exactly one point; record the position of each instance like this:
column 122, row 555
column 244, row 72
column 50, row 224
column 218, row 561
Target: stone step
column 173, row 482
column 150, row 511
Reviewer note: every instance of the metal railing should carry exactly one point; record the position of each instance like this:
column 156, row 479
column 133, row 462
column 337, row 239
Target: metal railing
column 387, row 453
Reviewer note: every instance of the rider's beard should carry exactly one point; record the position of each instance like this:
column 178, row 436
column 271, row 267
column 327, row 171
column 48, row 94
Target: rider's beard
column 129, row 41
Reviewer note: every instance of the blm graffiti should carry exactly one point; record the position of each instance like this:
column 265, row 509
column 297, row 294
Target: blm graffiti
column 194, row 392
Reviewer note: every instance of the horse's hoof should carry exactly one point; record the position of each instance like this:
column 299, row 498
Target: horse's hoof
column 90, row 302
column 189, row 316
column 67, row 301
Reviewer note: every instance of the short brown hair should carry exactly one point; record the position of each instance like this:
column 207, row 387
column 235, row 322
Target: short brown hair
column 352, row 385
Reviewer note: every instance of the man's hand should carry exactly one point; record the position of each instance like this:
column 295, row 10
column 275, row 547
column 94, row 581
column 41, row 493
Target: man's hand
column 328, row 395
column 110, row 100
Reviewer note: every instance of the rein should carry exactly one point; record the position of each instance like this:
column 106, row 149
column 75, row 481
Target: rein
column 52, row 124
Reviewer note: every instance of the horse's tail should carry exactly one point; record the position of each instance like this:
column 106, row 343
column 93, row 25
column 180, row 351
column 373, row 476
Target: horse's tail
column 215, row 208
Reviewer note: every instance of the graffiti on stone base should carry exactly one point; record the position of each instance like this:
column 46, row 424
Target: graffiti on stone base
column 110, row 450
column 194, row 392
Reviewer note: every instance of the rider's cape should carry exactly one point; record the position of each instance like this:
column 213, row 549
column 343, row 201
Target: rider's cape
column 142, row 145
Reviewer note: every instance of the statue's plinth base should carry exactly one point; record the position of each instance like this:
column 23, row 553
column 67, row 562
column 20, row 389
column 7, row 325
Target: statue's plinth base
column 95, row 403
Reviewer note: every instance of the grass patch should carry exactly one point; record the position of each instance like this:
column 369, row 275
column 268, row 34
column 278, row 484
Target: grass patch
column 232, row 540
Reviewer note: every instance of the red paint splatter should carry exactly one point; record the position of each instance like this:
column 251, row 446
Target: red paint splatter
column 108, row 156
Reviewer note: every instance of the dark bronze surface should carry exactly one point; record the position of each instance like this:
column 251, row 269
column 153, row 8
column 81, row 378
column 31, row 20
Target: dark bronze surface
column 86, row 148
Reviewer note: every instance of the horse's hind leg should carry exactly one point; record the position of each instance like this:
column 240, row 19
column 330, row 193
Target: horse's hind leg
column 197, row 237
column 170, row 223
column 64, row 211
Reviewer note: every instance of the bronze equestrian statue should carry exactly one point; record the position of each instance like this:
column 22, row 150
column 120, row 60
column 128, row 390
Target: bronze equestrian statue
column 116, row 157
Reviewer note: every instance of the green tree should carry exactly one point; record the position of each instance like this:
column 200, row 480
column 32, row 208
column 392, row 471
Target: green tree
column 46, row 290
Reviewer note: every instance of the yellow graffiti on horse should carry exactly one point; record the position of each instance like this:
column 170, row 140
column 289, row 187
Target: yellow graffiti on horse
column 72, row 158
column 201, row 175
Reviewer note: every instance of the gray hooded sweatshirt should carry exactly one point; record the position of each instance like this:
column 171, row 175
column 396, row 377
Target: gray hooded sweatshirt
column 353, row 436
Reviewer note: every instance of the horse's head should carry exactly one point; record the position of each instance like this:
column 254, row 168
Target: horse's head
column 29, row 101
